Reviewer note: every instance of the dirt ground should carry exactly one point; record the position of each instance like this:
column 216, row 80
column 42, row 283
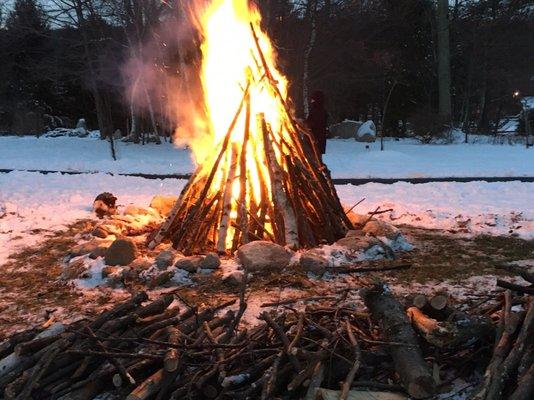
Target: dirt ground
column 31, row 292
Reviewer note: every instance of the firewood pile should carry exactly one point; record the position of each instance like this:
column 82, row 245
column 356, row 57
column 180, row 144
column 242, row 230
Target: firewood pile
column 144, row 349
column 510, row 372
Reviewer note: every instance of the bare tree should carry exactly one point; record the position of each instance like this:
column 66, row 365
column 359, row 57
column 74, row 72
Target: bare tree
column 312, row 15
column 444, row 61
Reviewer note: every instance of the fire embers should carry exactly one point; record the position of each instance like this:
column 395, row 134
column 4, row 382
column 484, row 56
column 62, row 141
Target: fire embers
column 105, row 204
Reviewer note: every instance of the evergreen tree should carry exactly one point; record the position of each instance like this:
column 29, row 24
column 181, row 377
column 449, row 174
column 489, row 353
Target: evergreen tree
column 23, row 47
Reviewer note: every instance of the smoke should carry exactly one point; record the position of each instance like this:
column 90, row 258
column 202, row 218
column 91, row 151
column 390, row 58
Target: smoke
column 162, row 76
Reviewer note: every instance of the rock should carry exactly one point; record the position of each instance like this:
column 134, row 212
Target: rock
column 100, row 232
column 345, row 130
column 160, row 279
column 129, row 274
column 81, row 124
column 263, row 256
column 141, row 264
column 236, row 278
column 121, row 252
column 81, row 129
column 189, row 264
column 110, row 270
column 105, row 204
column 366, row 132
column 358, row 219
column 381, row 229
column 211, row 261
column 165, row 259
column 358, row 243
column 89, row 247
column 100, row 251
column 163, row 204
column 313, row 262
column 134, row 210
column 355, row 233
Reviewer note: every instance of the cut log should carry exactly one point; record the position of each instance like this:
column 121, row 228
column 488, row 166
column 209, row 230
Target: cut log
column 420, row 301
column 439, row 302
column 504, row 341
column 514, row 287
column 509, row 366
column 525, row 386
column 7, row 347
column 325, row 394
column 415, row 374
column 148, row 388
column 451, row 334
column 172, row 355
column 13, row 360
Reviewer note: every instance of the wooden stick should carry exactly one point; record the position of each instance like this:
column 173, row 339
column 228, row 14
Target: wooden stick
column 290, row 222
column 283, row 338
column 242, row 238
column 172, row 356
column 514, row 287
column 355, row 367
column 224, row 224
column 354, row 206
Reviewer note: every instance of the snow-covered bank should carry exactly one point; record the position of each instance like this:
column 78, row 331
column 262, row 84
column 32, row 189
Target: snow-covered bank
column 30, row 201
column 496, row 208
column 345, row 158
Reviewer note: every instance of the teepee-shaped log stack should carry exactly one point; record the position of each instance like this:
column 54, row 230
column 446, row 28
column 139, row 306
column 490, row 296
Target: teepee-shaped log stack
column 261, row 183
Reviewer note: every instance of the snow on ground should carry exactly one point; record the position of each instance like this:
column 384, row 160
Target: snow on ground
column 346, row 158
column 30, row 201
column 34, row 201
column 499, row 208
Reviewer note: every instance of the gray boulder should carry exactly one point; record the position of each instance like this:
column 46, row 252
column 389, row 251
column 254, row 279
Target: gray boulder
column 121, row 252
column 189, row 264
column 345, row 130
column 358, row 243
column 211, row 261
column 313, row 262
column 89, row 247
column 236, row 278
column 366, row 132
column 81, row 124
column 263, row 256
column 380, row 228
column 165, row 259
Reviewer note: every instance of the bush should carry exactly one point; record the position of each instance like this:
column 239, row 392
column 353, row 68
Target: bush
column 429, row 126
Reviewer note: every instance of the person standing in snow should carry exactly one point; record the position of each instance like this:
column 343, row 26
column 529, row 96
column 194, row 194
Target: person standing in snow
column 317, row 120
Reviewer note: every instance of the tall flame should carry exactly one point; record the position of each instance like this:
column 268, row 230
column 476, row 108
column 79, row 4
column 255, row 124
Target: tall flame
column 229, row 60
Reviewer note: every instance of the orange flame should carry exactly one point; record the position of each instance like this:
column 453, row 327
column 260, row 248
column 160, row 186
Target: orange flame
column 233, row 72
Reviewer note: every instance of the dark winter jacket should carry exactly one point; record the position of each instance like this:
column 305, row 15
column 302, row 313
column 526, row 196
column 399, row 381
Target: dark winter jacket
column 317, row 120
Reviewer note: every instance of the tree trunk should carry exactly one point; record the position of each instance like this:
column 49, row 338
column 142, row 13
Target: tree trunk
column 444, row 61
column 312, row 9
column 102, row 110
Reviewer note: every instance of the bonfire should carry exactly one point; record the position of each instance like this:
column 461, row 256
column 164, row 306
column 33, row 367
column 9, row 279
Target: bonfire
column 260, row 175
